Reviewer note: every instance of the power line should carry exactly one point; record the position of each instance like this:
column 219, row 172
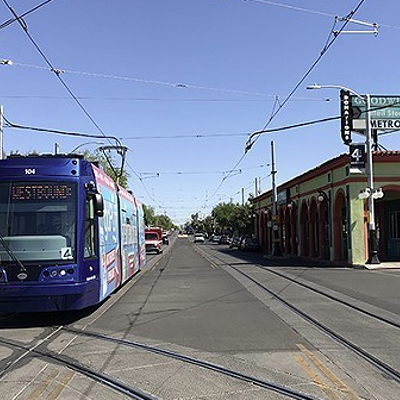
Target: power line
column 12, row 20
column 290, row 7
column 175, row 85
column 309, row 11
column 156, row 99
column 187, row 136
column 293, row 91
column 58, row 72
column 158, row 173
column 10, row 124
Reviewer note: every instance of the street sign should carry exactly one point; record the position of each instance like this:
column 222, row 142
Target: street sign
column 384, row 111
column 346, row 116
column 357, row 158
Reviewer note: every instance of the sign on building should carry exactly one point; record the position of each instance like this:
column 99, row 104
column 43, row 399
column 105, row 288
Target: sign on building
column 357, row 158
column 346, row 116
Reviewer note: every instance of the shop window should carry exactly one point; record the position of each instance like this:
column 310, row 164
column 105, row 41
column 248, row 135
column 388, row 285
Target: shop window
column 394, row 225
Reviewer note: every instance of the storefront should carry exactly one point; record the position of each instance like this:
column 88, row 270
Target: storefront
column 320, row 214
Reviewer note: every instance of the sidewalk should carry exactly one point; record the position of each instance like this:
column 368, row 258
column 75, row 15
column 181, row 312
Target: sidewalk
column 313, row 262
column 384, row 265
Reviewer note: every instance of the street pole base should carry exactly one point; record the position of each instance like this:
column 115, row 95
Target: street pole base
column 373, row 259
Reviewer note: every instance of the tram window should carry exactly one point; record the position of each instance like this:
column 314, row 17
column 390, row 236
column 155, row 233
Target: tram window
column 90, row 228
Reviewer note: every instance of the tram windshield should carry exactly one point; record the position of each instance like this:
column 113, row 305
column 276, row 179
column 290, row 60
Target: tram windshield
column 37, row 222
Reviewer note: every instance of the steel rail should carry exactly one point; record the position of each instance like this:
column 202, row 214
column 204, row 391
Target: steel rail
column 331, row 297
column 102, row 378
column 320, row 292
column 371, row 359
column 283, row 390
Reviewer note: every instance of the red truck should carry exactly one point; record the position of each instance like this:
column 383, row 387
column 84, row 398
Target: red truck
column 153, row 239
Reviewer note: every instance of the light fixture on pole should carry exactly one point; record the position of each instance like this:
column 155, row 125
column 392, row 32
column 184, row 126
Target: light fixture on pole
column 322, row 196
column 373, row 251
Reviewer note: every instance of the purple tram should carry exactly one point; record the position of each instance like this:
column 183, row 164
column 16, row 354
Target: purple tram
column 69, row 236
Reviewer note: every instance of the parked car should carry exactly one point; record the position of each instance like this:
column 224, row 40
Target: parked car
column 216, row 239
column 249, row 244
column 234, row 242
column 224, row 240
column 199, row 238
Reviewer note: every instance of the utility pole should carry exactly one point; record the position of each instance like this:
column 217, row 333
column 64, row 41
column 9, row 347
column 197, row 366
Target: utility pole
column 373, row 251
column 276, row 251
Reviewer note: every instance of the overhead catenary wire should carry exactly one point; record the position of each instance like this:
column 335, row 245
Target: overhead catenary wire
column 310, row 11
column 327, row 46
column 15, row 19
column 175, row 85
column 13, row 125
column 57, row 73
column 282, row 104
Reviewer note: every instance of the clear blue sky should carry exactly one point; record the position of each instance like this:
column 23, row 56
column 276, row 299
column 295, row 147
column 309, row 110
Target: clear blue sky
column 158, row 73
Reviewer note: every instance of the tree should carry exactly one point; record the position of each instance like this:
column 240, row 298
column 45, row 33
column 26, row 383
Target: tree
column 164, row 222
column 234, row 218
column 149, row 215
column 222, row 213
column 243, row 219
column 109, row 166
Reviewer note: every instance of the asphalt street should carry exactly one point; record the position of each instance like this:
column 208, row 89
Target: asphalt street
column 208, row 302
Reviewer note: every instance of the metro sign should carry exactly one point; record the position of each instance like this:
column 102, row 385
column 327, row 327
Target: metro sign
column 384, row 112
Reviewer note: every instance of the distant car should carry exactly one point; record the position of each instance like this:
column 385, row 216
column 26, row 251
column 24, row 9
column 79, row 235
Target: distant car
column 153, row 242
column 165, row 238
column 199, row 238
column 216, row 239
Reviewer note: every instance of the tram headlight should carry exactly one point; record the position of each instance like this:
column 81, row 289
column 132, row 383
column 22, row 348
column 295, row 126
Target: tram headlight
column 54, row 273
column 63, row 272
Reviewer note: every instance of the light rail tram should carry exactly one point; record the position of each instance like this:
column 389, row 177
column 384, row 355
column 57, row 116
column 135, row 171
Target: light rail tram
column 69, row 236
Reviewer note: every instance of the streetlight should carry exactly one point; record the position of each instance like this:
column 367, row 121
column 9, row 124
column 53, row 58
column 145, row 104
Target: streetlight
column 369, row 192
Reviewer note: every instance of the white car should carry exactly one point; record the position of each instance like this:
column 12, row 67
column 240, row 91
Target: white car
column 199, row 238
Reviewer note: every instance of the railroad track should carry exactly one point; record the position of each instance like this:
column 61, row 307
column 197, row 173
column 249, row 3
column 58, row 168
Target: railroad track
column 382, row 366
column 39, row 350
column 25, row 352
